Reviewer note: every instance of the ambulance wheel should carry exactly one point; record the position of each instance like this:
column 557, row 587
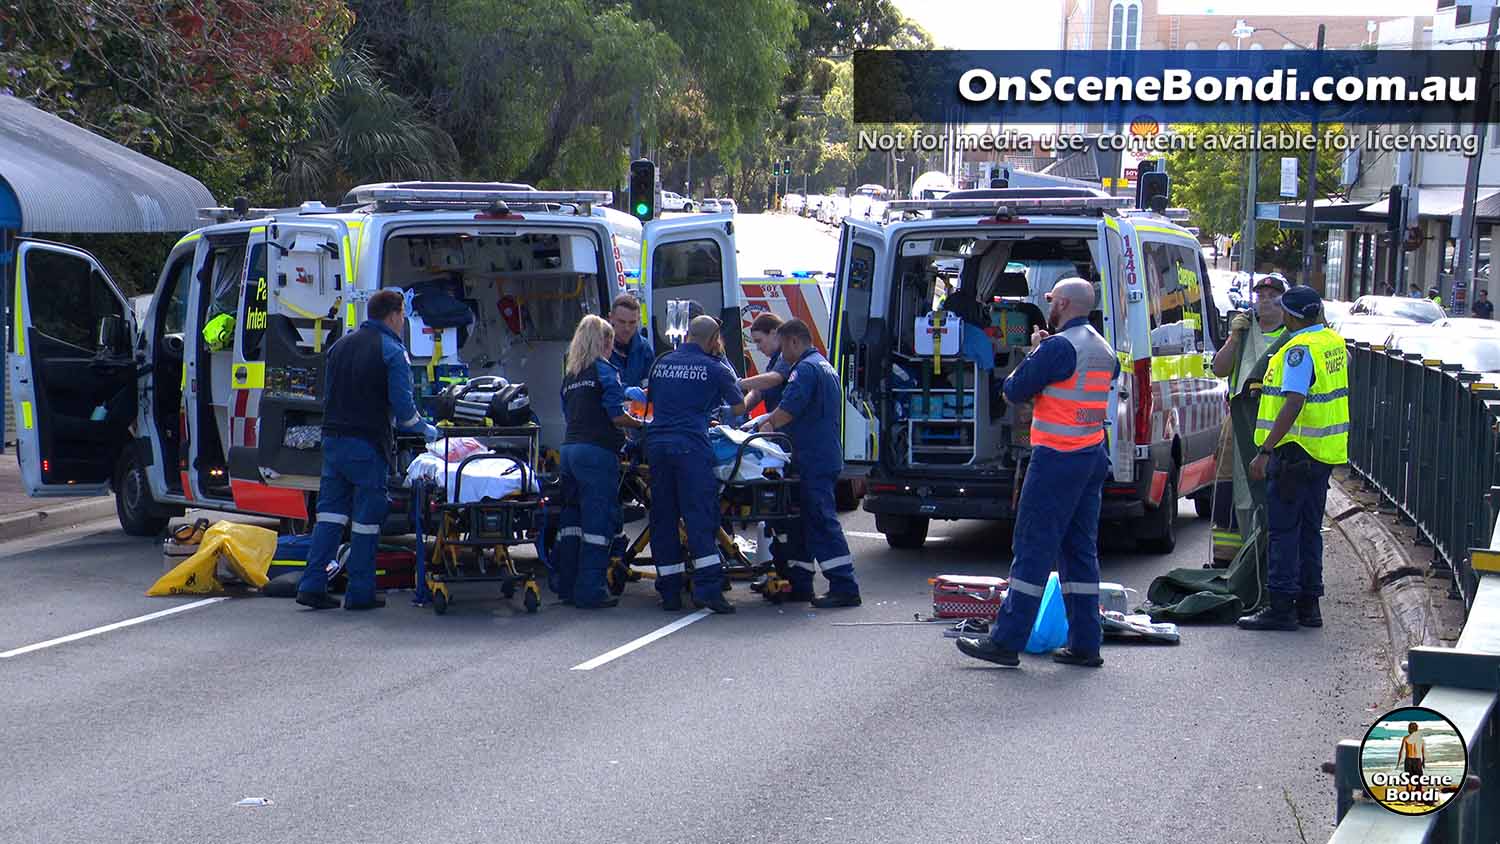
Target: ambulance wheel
column 1157, row 530
column 137, row 511
column 905, row 532
column 439, row 601
column 1203, row 502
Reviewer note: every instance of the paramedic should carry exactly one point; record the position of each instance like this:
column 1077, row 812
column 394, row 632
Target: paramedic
column 810, row 413
column 1070, row 375
column 593, row 404
column 631, row 351
column 686, row 386
column 768, row 385
column 1302, row 429
column 367, row 384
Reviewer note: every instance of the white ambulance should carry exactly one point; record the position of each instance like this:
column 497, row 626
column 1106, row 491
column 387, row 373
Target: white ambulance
column 928, row 423
column 148, row 409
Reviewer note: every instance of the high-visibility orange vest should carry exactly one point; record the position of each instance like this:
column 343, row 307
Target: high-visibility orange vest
column 1069, row 414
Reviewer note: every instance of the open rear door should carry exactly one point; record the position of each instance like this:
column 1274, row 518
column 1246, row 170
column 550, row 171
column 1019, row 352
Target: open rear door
column 693, row 258
column 72, row 371
column 309, row 303
column 859, row 336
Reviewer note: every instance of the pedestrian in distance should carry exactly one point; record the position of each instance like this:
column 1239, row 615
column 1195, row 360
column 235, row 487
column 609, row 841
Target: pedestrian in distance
column 1434, row 296
column 810, row 413
column 1483, row 307
column 686, row 386
column 1302, row 431
column 631, row 351
column 367, row 384
column 1070, row 374
column 1415, row 292
column 594, row 405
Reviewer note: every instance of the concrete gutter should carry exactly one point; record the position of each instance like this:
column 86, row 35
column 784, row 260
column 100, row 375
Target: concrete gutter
column 31, row 522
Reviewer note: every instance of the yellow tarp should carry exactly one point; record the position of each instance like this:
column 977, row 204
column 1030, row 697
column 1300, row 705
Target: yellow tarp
column 246, row 549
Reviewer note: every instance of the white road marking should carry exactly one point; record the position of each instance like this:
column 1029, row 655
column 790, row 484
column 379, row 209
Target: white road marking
column 642, row 642
column 864, row 534
column 129, row 622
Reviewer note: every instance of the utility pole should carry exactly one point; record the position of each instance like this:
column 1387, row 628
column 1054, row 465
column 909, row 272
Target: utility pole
column 1240, row 32
column 1312, row 186
column 1464, row 271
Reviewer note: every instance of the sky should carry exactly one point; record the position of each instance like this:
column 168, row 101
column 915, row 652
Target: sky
column 1037, row 24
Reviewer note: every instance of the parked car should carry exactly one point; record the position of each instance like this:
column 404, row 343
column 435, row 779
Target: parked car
column 677, row 202
column 792, row 203
column 1414, row 310
column 727, row 206
column 710, row 206
column 1469, row 325
column 1335, row 310
column 1367, row 328
column 1479, row 354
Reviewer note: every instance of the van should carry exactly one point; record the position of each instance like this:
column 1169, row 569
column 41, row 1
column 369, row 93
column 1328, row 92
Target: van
column 930, row 427
column 146, row 407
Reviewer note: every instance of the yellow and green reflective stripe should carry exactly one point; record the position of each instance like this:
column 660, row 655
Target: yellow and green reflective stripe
column 20, row 326
column 187, row 238
column 26, row 418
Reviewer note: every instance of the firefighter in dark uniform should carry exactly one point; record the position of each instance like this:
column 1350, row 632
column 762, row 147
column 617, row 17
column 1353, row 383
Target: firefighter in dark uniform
column 809, row 413
column 686, row 386
column 593, row 403
column 367, row 384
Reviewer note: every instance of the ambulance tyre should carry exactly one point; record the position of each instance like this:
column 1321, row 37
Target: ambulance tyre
column 1203, row 502
column 138, row 512
column 1157, row 530
column 905, row 532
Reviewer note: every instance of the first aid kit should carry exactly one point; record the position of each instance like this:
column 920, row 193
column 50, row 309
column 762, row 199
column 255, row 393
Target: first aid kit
column 967, row 596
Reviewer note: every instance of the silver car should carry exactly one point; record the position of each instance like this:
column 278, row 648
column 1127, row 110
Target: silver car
column 710, row 206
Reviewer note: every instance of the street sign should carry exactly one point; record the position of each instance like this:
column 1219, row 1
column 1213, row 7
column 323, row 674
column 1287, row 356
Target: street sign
column 1268, row 211
column 1289, row 177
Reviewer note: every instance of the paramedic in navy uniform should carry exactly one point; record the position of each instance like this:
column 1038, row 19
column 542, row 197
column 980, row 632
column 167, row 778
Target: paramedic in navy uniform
column 594, row 406
column 809, row 414
column 686, row 386
column 368, row 384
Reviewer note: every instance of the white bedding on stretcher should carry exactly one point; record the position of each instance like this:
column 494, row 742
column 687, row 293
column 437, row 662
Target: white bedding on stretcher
column 493, row 478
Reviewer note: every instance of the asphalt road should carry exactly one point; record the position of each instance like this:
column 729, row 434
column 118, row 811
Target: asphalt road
column 770, row 725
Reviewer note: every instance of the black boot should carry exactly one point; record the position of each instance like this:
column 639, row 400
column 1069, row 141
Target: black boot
column 1279, row 614
column 1308, row 614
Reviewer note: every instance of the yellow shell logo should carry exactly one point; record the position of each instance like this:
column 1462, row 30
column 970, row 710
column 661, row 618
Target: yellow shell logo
column 1144, row 127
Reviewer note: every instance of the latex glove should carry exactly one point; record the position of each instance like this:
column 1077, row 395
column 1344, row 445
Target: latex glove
column 635, row 394
column 1240, row 324
column 431, row 433
column 755, row 423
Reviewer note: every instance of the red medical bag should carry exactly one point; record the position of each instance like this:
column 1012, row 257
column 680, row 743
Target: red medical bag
column 967, row 596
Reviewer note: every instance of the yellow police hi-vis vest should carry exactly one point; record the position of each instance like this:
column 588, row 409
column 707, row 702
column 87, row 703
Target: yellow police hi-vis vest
column 1322, row 428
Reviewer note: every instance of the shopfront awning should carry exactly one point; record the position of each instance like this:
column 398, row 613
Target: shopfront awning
column 59, row 178
column 1445, row 202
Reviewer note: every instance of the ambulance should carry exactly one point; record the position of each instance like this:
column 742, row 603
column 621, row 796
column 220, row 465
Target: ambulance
column 154, row 411
column 928, row 425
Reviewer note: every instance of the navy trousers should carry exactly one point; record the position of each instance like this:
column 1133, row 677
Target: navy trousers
column 817, row 537
column 1296, row 493
column 683, row 487
column 351, row 494
column 590, row 519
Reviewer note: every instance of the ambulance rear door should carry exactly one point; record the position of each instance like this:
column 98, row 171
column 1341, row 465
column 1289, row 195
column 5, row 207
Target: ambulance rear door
column 693, row 258
column 859, row 334
column 309, row 303
column 73, row 372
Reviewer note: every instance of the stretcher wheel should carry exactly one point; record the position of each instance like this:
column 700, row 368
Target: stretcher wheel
column 439, row 601
column 508, row 589
column 616, row 577
column 533, row 599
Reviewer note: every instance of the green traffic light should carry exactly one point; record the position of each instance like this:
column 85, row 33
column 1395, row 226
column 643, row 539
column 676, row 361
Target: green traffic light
column 641, row 208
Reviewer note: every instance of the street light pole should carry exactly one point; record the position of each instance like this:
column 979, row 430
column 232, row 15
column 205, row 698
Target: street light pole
column 1312, row 186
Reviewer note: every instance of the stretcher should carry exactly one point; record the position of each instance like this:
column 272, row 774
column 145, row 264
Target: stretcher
column 472, row 539
column 770, row 500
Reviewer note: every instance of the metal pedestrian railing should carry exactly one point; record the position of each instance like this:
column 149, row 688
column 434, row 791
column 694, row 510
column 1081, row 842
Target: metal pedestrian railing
column 1426, row 436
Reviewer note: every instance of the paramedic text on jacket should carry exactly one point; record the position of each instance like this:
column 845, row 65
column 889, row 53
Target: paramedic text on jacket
column 368, row 384
column 593, row 403
column 809, row 413
column 1302, row 430
column 1070, row 375
column 686, row 386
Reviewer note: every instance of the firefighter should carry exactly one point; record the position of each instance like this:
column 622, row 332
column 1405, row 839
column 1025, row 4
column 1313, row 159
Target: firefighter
column 809, row 413
column 593, row 403
column 367, row 383
column 1070, row 374
column 1302, row 429
column 631, row 351
column 686, row 386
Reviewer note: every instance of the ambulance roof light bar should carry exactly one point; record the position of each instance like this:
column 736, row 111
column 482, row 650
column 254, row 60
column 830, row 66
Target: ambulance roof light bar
column 1176, row 215
column 459, row 198
column 1007, row 206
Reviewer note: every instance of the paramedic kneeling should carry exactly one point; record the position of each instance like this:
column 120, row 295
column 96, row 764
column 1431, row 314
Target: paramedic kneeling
column 686, row 386
column 367, row 383
column 1057, row 523
column 809, row 414
column 593, row 403
column 1302, row 429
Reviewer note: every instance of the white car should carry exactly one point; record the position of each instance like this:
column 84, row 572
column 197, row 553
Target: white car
column 1398, row 307
column 727, row 206
column 710, row 206
column 1364, row 328
column 1469, row 326
column 792, row 203
column 1474, row 353
column 676, row 202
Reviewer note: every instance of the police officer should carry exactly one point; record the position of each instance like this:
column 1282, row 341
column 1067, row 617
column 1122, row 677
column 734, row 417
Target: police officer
column 1302, row 429
column 367, row 383
column 631, row 351
column 1070, row 374
column 809, row 414
column 686, row 386
column 593, row 403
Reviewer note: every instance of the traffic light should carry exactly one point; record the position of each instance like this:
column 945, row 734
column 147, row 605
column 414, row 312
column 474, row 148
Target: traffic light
column 643, row 189
column 786, row 167
column 776, row 168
